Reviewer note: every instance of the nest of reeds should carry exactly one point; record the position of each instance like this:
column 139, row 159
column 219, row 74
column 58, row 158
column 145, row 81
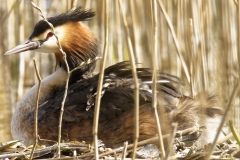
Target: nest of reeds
column 181, row 148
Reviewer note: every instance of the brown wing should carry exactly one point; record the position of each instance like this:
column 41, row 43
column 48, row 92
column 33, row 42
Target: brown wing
column 117, row 102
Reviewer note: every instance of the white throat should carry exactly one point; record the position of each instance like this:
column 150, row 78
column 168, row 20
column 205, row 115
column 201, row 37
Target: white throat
column 22, row 130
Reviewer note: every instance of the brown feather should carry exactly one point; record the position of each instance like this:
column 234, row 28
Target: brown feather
column 79, row 47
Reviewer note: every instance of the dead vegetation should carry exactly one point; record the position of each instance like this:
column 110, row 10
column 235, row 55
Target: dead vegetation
column 195, row 40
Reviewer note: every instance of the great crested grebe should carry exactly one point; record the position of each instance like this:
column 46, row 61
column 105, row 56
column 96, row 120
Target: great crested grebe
column 116, row 112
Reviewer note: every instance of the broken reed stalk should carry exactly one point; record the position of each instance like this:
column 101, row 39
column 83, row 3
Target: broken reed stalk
column 135, row 79
column 154, row 79
column 185, row 69
column 234, row 92
column 36, row 108
column 100, row 82
column 124, row 151
column 85, row 63
column 225, row 138
column 171, row 140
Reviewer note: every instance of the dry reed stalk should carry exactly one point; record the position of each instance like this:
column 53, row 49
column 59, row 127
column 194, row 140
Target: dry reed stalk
column 237, row 118
column 100, row 81
column 171, row 140
column 124, row 151
column 204, row 69
column 229, row 61
column 115, row 155
column 73, row 4
column 135, row 79
column 20, row 38
column 203, row 35
column 225, row 138
column 119, row 45
column 191, row 57
column 36, row 109
column 5, row 80
column 7, row 15
column 67, row 80
column 175, row 40
column 87, row 4
column 135, row 32
column 155, row 67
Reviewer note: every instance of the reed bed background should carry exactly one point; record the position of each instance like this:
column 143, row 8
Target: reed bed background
column 207, row 32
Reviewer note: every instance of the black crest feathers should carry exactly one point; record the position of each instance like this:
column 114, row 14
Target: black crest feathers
column 72, row 15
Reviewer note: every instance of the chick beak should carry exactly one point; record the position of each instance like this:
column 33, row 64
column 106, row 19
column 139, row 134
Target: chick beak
column 28, row 45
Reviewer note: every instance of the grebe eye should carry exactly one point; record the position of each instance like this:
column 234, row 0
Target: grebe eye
column 50, row 34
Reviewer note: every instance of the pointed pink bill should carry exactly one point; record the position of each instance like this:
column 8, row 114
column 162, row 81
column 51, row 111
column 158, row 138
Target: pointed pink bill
column 28, row 45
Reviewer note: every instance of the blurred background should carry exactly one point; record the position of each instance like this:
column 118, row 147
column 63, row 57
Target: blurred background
column 207, row 33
